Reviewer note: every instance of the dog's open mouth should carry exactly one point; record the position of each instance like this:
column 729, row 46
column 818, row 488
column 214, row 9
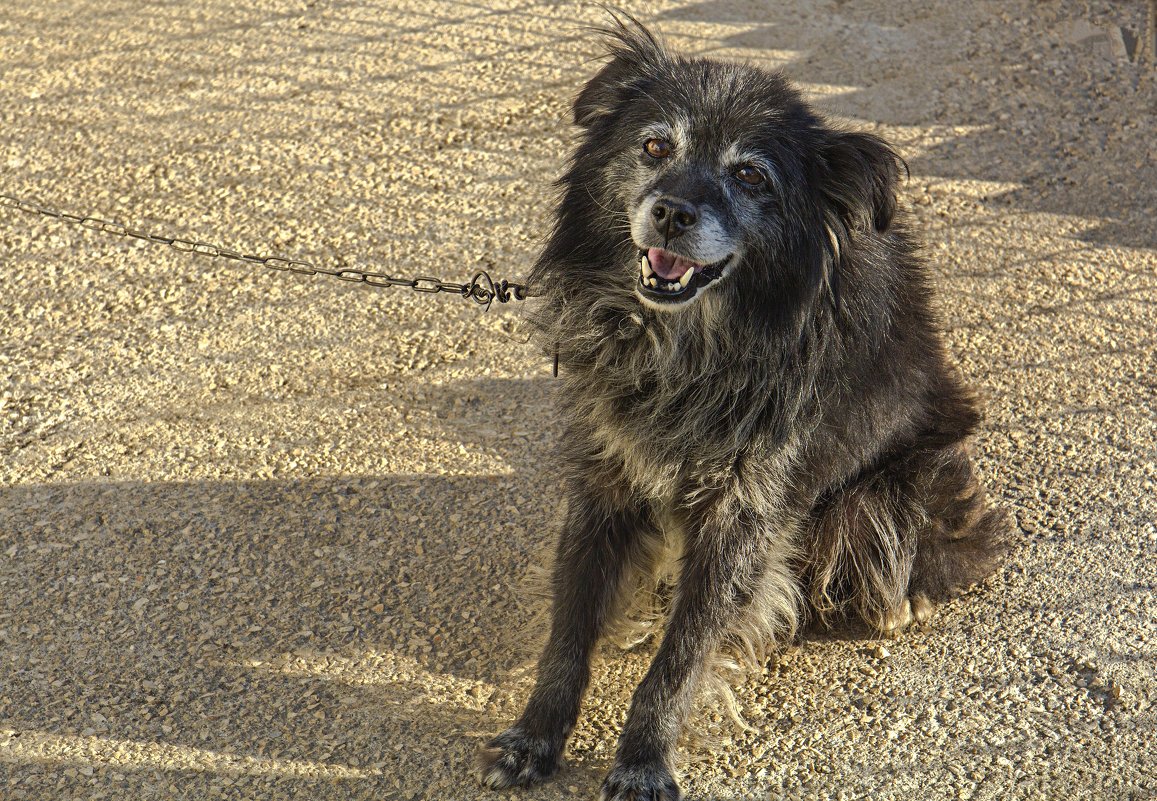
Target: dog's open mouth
column 666, row 277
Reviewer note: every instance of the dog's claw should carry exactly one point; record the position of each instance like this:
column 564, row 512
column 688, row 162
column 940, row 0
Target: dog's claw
column 917, row 609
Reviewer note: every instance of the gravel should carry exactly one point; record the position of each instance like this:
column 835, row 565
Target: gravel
column 266, row 536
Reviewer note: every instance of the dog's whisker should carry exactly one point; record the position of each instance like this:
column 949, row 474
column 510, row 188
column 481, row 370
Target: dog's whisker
column 610, row 210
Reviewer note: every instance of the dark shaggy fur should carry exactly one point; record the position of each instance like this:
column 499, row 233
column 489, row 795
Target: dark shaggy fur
column 786, row 420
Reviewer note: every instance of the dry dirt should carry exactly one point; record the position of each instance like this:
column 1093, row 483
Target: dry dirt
column 261, row 535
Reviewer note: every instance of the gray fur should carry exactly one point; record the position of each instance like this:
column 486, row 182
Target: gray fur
column 789, row 427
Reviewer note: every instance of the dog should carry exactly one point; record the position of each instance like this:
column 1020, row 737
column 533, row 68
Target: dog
column 753, row 375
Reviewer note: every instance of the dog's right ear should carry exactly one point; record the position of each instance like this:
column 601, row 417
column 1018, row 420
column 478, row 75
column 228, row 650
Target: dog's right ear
column 602, row 93
column 635, row 54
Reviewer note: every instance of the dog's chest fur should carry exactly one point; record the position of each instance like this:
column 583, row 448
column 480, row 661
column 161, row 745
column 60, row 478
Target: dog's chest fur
column 637, row 453
column 670, row 417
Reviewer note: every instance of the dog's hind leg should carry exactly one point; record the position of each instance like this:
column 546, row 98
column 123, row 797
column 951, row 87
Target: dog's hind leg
column 964, row 537
column 901, row 537
column 731, row 555
column 597, row 547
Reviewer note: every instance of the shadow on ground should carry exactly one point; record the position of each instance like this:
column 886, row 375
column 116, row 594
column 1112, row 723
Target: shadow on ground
column 364, row 622
column 1021, row 99
column 341, row 612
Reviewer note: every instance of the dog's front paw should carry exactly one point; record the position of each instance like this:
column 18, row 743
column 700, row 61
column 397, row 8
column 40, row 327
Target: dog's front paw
column 514, row 758
column 649, row 782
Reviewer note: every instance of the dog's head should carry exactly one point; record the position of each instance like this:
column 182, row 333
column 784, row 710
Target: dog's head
column 694, row 177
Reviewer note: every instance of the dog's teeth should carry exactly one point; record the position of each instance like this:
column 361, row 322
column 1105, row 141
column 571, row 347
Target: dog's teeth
column 653, row 282
column 645, row 267
column 686, row 279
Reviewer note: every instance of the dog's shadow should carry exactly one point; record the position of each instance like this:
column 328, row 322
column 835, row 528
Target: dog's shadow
column 293, row 631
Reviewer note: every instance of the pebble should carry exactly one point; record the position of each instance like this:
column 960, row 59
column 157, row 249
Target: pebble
column 217, row 480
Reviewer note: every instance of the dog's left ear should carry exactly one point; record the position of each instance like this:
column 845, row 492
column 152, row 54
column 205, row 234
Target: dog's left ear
column 859, row 184
column 862, row 175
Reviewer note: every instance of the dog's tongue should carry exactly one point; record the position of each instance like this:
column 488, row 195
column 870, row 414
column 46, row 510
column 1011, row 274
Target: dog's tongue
column 668, row 266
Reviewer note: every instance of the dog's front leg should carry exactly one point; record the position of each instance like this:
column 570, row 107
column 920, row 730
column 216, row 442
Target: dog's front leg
column 595, row 547
column 729, row 556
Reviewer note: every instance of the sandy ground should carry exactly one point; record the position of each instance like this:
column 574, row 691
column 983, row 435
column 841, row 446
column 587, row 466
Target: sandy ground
column 262, row 536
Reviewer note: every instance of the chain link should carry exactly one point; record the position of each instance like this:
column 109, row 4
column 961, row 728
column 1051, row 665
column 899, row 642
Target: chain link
column 482, row 289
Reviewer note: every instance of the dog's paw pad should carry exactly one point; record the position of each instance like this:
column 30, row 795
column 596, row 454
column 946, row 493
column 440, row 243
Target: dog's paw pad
column 641, row 783
column 515, row 759
column 917, row 609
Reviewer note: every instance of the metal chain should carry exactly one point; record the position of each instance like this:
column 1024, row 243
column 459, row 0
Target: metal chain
column 481, row 289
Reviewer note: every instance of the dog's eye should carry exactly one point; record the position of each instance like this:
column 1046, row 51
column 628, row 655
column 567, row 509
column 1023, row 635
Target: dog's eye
column 657, row 148
column 752, row 176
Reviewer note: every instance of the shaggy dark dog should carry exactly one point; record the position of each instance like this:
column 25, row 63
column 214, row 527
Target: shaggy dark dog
column 752, row 376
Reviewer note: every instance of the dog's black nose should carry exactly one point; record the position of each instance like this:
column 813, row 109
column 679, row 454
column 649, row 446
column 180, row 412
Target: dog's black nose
column 672, row 216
